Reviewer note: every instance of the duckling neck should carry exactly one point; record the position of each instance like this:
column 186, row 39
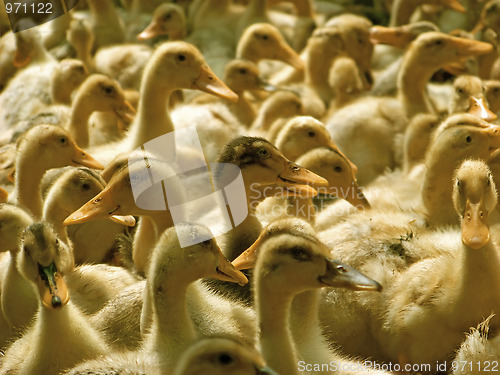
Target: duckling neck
column 402, row 11
column 152, row 119
column 172, row 329
column 316, row 71
column 28, row 192
column 76, row 339
column 243, row 109
column 54, row 214
column 272, row 313
column 80, row 114
column 148, row 232
column 412, row 80
column 436, row 196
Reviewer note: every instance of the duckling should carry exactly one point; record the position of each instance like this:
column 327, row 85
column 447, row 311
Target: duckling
column 291, row 263
column 346, row 83
column 182, row 256
column 69, row 192
column 43, row 261
column 81, row 38
column 410, row 318
column 41, row 148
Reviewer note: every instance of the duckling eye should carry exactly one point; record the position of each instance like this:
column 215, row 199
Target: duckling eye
column 338, row 169
column 264, row 153
column 86, row 187
column 311, row 134
column 107, row 90
column 57, row 242
column 181, row 57
column 299, row 254
column 438, row 42
column 265, row 37
column 225, row 359
column 63, row 140
column 459, row 90
column 468, row 139
column 458, row 183
column 243, row 71
column 167, row 16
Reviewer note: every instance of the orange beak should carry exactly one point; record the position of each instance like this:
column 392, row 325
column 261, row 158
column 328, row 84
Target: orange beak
column 81, row 157
column 207, row 81
column 479, row 108
column 101, row 206
column 475, row 230
column 52, row 287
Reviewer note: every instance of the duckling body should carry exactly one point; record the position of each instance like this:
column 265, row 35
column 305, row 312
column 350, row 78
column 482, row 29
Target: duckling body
column 56, row 317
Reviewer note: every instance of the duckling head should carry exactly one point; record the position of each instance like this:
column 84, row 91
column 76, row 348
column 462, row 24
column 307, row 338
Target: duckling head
column 469, row 96
column 288, row 252
column 127, row 192
column 264, row 41
column 190, row 252
column 43, row 259
column 180, row 65
column 474, row 197
column 54, row 147
column 168, row 19
column 437, row 49
column 263, row 164
column 105, row 94
column 241, row 75
column 492, row 92
column 221, row 355
column 331, row 164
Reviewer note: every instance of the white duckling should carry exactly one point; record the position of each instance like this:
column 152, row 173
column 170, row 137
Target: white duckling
column 66, row 78
column 43, row 261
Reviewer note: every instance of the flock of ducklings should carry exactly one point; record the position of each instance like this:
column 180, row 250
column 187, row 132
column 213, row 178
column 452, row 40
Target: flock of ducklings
column 367, row 152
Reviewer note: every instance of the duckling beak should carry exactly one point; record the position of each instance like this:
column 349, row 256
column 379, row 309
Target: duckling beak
column 265, row 371
column 207, row 81
column 289, row 56
column 296, row 181
column 153, row 30
column 227, row 272
column 128, row 220
column 469, row 47
column 21, row 60
column 456, row 68
column 356, row 197
column 248, row 258
column 52, row 287
column 3, row 195
column 81, row 157
column 126, row 112
column 398, row 37
column 475, row 230
column 453, row 4
column 479, row 108
column 341, row 275
column 102, row 205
